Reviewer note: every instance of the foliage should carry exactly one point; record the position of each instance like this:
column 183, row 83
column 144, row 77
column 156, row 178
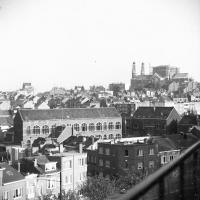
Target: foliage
column 97, row 188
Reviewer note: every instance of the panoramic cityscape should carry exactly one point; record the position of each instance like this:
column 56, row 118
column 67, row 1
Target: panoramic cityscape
column 99, row 100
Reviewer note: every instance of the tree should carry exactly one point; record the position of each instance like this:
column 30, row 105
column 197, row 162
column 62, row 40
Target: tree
column 97, row 188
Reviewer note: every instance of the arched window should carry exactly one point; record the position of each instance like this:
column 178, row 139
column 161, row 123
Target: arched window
column 105, row 126
column 100, row 137
column 105, row 137
column 36, row 130
column 53, row 128
column 118, row 125
column 84, row 127
column 99, row 127
column 28, row 130
column 91, row 127
column 45, row 129
column 110, row 126
column 76, row 127
column 111, row 136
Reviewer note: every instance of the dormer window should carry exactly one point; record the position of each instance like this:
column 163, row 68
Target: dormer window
column 50, row 167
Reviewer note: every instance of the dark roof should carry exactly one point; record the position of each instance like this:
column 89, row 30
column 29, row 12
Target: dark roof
column 153, row 112
column 183, row 141
column 68, row 113
column 165, row 144
column 10, row 174
column 188, row 119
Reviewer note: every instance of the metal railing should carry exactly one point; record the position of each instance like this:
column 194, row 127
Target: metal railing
column 157, row 179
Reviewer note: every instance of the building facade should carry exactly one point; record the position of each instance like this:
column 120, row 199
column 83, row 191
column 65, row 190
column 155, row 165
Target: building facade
column 101, row 122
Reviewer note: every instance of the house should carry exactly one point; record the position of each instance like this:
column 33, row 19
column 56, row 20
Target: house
column 154, row 121
column 101, row 122
column 119, row 156
column 12, row 183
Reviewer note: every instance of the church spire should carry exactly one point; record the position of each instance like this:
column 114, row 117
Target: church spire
column 133, row 70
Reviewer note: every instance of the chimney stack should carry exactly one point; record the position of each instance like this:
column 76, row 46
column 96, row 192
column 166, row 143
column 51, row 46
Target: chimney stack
column 18, row 166
column 142, row 69
column 35, row 162
column 80, row 148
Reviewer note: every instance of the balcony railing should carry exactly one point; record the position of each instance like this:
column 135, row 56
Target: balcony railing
column 188, row 161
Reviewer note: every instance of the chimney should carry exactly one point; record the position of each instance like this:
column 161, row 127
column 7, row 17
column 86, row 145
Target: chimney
column 80, row 148
column 61, row 148
column 142, row 69
column 1, row 176
column 18, row 166
column 133, row 70
column 35, row 162
column 92, row 140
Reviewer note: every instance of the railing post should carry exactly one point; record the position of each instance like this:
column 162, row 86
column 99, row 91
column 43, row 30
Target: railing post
column 182, row 184
column 195, row 156
column 161, row 189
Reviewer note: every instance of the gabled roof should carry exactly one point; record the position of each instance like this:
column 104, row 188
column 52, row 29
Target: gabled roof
column 68, row 113
column 188, row 119
column 10, row 174
column 153, row 112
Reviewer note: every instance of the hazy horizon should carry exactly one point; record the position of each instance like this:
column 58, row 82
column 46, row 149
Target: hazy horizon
column 88, row 42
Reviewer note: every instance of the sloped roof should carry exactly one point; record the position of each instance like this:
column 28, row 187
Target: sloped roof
column 10, row 174
column 68, row 113
column 153, row 112
column 165, row 144
column 181, row 76
column 188, row 119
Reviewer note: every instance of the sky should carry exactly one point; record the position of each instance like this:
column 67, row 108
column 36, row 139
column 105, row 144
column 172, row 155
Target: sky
column 65, row 43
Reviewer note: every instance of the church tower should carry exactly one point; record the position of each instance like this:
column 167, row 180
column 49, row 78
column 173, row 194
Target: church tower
column 142, row 69
column 133, row 70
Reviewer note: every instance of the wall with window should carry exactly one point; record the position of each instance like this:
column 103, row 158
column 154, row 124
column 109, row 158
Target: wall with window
column 106, row 128
column 14, row 190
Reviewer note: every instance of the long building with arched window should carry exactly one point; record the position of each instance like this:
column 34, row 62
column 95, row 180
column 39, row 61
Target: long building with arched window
column 105, row 123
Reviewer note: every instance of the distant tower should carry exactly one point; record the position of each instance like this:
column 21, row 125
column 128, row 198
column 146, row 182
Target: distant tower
column 142, row 69
column 133, row 70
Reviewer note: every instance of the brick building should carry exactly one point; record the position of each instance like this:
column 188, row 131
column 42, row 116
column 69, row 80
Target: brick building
column 155, row 121
column 31, row 124
column 116, row 157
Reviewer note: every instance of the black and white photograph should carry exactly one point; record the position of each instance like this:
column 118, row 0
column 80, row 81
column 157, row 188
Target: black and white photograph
column 99, row 100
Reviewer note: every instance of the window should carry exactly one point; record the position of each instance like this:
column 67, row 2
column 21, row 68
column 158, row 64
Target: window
column 118, row 125
column 157, row 125
column 100, row 150
column 135, row 125
column 107, row 164
column 163, row 159
column 110, row 126
column 45, row 129
column 101, row 162
column 66, row 179
column 126, row 164
column 17, row 193
column 84, row 127
column 140, row 152
column 5, row 195
column 53, row 128
column 105, row 137
column 126, row 152
column 70, row 178
column 28, row 130
column 68, row 164
column 105, row 126
column 151, row 164
column 140, row 165
column 151, row 151
column 107, row 151
column 171, row 158
column 50, row 183
column 99, row 127
column 76, row 127
column 81, row 161
column 91, row 127
column 110, row 136
column 118, row 136
column 36, row 130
